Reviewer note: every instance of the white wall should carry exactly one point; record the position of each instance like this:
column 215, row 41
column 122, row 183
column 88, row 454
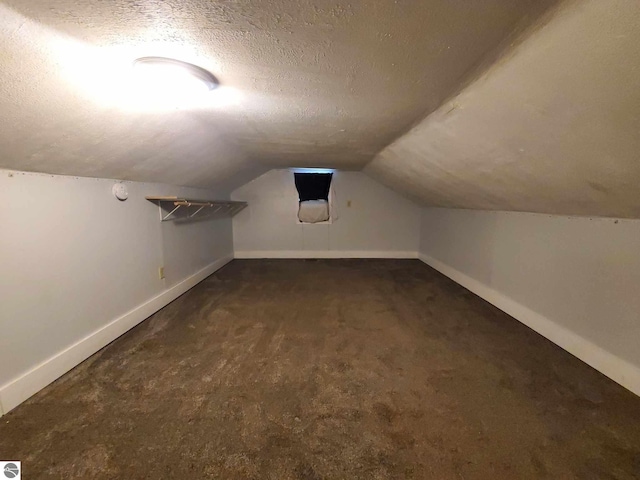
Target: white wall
column 78, row 268
column 379, row 222
column 575, row 280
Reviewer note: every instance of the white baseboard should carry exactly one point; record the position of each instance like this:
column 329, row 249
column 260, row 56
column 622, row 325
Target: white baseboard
column 324, row 254
column 21, row 388
column 617, row 369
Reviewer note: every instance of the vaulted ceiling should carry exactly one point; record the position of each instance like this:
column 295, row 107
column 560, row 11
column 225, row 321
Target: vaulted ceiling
column 553, row 127
column 502, row 104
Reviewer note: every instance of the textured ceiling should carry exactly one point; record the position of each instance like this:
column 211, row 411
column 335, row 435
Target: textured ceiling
column 553, row 127
column 528, row 105
column 317, row 83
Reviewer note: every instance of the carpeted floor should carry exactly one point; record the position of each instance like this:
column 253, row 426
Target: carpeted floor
column 328, row 369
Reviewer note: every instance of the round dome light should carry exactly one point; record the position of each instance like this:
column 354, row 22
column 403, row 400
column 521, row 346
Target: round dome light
column 169, row 75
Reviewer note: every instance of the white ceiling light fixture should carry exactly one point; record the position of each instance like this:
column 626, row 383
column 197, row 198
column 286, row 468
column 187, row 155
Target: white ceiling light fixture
column 171, row 82
column 175, row 73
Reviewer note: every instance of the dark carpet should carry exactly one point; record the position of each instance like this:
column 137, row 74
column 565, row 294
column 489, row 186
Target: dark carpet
column 328, row 369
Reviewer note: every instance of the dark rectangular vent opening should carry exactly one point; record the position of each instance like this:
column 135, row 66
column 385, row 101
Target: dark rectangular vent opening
column 313, row 186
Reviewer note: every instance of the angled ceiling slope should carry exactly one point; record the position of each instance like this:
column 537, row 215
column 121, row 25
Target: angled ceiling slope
column 320, row 83
column 553, row 127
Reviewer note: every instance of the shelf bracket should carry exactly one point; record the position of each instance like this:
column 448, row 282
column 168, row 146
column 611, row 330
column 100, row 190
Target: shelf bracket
column 166, row 217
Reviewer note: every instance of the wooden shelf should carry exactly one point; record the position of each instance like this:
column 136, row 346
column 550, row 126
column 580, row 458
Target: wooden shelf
column 180, row 208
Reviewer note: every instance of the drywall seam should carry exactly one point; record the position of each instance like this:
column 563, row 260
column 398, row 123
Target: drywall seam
column 617, row 369
column 324, row 254
column 21, row 388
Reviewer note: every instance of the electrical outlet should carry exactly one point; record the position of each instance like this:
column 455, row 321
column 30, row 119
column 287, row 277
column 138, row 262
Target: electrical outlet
column 161, row 272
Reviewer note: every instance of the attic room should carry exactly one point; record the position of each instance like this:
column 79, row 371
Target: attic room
column 320, row 239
